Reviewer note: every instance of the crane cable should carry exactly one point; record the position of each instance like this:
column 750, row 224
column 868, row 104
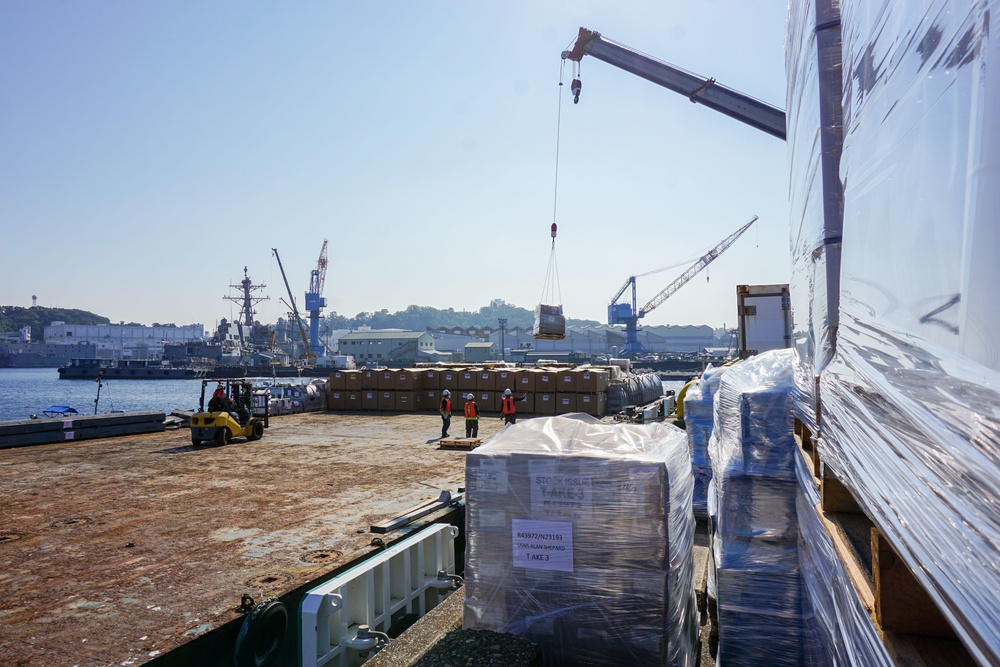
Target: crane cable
column 551, row 287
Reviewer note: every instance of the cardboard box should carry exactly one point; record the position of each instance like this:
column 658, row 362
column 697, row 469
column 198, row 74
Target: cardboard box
column 405, row 401
column 565, row 402
column 386, row 400
column 524, row 381
column 338, row 380
column 405, row 380
column 369, row 399
column 449, row 380
column 545, row 381
column 354, row 399
column 386, row 380
column 591, row 380
column 428, row 400
column 588, row 403
column 525, row 406
column 467, row 380
column 545, row 403
column 352, row 380
column 486, row 380
column 566, row 381
column 488, row 401
column 336, row 399
column 602, row 403
column 369, row 380
column 429, row 379
column 506, row 379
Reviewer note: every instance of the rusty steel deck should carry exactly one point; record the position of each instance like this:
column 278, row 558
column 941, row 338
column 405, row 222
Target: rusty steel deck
column 119, row 551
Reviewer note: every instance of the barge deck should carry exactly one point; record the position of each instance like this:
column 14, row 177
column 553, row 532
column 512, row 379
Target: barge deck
column 136, row 550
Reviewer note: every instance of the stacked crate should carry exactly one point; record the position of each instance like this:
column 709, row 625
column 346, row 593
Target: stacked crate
column 755, row 531
column 536, row 391
column 580, row 538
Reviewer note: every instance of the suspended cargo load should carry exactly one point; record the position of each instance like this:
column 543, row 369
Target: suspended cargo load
column 550, row 324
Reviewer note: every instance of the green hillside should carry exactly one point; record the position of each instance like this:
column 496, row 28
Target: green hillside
column 13, row 318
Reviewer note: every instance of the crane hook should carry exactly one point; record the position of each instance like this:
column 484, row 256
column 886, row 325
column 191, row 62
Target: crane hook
column 575, row 89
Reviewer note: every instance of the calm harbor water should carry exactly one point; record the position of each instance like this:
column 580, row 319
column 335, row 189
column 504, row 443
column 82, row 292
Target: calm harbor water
column 27, row 391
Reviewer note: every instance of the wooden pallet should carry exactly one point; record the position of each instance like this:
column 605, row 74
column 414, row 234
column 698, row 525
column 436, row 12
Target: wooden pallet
column 466, row 444
column 911, row 626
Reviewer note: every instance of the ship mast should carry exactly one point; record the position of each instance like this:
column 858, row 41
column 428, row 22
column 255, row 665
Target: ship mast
column 246, row 301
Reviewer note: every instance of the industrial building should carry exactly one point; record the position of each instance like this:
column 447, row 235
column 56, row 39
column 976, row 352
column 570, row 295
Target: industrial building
column 123, row 341
column 388, row 348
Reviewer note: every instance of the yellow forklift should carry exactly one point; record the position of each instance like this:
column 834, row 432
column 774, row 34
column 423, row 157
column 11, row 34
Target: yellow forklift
column 230, row 414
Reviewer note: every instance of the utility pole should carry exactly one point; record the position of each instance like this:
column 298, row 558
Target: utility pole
column 503, row 326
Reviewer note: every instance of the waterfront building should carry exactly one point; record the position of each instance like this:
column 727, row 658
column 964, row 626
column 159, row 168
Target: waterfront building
column 123, row 341
column 395, row 348
column 477, row 352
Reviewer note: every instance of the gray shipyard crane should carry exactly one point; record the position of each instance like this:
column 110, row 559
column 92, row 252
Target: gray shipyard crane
column 629, row 314
column 696, row 88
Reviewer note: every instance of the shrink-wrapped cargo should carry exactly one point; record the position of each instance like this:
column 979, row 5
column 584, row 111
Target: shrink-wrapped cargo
column 840, row 630
column 580, row 537
column 911, row 400
column 549, row 322
column 814, row 122
column 752, row 497
column 698, row 425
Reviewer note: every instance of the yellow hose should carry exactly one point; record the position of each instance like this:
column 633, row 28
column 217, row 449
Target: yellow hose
column 680, row 397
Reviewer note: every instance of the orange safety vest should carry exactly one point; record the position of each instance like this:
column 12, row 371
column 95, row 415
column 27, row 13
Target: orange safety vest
column 508, row 405
column 471, row 410
column 446, row 406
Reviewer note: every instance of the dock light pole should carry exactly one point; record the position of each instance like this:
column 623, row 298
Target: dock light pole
column 503, row 325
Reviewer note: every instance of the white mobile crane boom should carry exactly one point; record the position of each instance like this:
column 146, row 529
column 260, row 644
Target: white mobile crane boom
column 696, row 88
column 629, row 315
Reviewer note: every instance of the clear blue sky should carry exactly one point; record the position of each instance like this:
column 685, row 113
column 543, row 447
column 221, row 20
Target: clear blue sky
column 151, row 150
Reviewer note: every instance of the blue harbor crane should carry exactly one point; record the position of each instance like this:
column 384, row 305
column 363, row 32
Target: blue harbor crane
column 629, row 314
column 315, row 301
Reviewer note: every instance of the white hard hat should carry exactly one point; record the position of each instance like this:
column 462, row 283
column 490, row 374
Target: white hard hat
column 446, row 393
column 506, row 392
column 470, row 396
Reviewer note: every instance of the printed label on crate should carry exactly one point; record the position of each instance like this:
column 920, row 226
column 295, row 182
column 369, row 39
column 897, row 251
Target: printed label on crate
column 542, row 545
column 491, row 476
column 558, row 496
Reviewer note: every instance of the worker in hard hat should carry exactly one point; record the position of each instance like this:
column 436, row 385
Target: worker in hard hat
column 471, row 417
column 508, row 409
column 218, row 401
column 445, row 412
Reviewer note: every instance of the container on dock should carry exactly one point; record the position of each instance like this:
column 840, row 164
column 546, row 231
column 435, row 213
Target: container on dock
column 580, row 538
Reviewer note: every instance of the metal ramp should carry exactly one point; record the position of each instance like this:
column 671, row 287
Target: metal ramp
column 343, row 621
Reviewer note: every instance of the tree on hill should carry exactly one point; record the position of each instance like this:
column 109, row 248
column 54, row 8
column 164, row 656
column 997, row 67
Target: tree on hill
column 14, row 318
column 418, row 318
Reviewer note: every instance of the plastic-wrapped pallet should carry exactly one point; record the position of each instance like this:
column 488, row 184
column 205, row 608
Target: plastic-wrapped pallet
column 550, row 323
column 815, row 138
column 698, row 424
column 911, row 400
column 840, row 630
column 580, row 537
column 755, row 536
